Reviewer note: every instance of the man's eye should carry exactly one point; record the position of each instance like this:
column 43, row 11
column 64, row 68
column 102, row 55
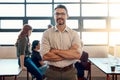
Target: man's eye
column 62, row 14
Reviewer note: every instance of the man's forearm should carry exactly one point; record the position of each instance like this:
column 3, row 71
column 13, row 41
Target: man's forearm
column 52, row 57
column 69, row 54
column 72, row 53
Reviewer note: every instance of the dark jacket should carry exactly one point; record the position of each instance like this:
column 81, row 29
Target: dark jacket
column 82, row 65
column 84, row 59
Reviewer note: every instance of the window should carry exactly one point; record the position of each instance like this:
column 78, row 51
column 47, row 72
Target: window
column 11, row 10
column 114, row 39
column 39, row 10
column 94, row 0
column 70, row 7
column 10, row 1
column 96, row 38
column 113, row 10
column 67, row 0
column 42, row 1
column 96, row 21
column 94, row 24
column 114, row 0
column 36, row 36
column 73, row 24
column 94, row 10
column 39, row 24
column 8, row 38
column 115, row 23
column 11, row 24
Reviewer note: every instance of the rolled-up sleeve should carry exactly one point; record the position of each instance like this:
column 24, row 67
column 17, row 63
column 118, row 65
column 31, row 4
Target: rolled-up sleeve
column 45, row 45
column 77, row 40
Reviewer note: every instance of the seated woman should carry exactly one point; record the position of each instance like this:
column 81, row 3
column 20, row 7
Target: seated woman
column 36, row 57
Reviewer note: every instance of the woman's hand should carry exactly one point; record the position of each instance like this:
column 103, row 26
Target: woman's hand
column 24, row 68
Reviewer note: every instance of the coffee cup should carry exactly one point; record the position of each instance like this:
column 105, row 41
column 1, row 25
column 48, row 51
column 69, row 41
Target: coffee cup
column 112, row 68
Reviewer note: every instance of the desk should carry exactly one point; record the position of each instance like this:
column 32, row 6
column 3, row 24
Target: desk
column 9, row 67
column 103, row 64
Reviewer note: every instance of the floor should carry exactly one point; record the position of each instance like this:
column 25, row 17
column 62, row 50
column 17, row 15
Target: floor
column 24, row 78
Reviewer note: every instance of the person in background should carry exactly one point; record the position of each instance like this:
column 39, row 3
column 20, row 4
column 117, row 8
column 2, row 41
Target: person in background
column 49, row 26
column 23, row 45
column 36, row 57
column 24, row 54
column 55, row 48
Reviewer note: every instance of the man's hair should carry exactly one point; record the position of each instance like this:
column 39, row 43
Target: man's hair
column 61, row 6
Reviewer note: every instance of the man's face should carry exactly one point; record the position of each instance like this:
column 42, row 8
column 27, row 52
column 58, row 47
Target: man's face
column 60, row 16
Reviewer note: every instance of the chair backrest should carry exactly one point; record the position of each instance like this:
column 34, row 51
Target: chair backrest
column 84, row 59
column 88, row 69
column 86, row 64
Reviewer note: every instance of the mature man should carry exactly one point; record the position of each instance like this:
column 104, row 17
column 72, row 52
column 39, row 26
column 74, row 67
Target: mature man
column 55, row 48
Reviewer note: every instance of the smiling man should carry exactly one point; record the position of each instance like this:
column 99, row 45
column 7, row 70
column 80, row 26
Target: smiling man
column 55, row 48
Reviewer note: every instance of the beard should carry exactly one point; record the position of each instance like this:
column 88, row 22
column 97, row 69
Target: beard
column 60, row 21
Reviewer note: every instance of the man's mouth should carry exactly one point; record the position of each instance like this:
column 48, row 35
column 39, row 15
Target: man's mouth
column 59, row 19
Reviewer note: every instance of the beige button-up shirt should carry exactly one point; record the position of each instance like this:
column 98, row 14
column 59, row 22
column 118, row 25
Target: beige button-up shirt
column 53, row 38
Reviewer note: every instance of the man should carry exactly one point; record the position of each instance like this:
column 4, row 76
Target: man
column 55, row 48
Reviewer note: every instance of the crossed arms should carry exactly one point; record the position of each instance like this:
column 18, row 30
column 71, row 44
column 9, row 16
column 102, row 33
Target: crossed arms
column 58, row 55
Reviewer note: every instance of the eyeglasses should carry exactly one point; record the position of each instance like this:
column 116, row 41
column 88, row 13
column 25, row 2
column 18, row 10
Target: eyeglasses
column 62, row 14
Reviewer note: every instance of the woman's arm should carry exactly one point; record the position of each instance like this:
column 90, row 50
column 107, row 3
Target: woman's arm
column 22, row 62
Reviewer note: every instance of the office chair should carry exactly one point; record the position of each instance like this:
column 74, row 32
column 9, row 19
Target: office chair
column 88, row 69
column 84, row 65
column 33, row 69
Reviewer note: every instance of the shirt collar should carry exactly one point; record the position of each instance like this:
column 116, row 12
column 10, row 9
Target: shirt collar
column 65, row 30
